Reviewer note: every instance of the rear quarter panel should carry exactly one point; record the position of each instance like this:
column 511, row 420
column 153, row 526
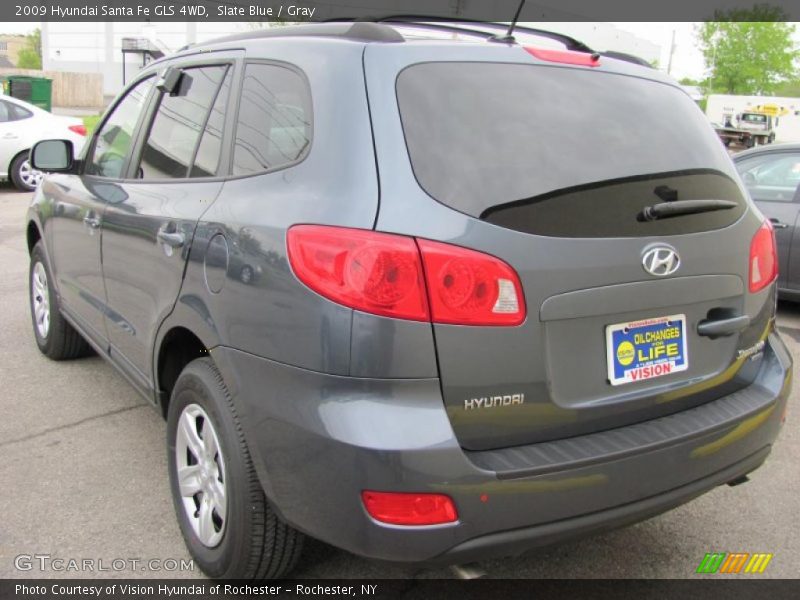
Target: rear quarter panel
column 275, row 316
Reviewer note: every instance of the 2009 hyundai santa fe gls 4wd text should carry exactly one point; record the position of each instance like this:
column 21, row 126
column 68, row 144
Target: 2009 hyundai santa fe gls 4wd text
column 425, row 299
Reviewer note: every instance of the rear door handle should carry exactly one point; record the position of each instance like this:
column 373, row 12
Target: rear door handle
column 778, row 224
column 175, row 239
column 92, row 220
column 722, row 327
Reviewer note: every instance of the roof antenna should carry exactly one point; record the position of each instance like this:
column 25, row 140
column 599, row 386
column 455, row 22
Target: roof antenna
column 508, row 38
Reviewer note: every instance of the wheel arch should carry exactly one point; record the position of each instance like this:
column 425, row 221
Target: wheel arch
column 178, row 347
column 32, row 235
column 15, row 157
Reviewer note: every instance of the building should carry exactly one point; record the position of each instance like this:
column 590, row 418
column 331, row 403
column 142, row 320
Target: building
column 10, row 45
column 96, row 47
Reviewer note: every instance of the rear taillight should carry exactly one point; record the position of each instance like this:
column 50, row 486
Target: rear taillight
column 763, row 258
column 409, row 509
column 470, row 288
column 383, row 274
column 79, row 129
column 373, row 272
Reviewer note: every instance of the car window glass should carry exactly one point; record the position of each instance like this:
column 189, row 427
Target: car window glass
column 12, row 112
column 274, row 123
column 179, row 120
column 18, row 113
column 113, row 141
column 562, row 152
column 773, row 177
column 207, row 159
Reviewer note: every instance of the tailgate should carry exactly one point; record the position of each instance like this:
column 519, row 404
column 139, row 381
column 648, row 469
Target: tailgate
column 553, row 169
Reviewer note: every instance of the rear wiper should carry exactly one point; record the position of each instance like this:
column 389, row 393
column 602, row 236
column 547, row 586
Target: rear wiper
column 665, row 210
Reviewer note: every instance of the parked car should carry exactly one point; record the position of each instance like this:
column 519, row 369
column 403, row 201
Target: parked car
column 21, row 126
column 772, row 176
column 489, row 314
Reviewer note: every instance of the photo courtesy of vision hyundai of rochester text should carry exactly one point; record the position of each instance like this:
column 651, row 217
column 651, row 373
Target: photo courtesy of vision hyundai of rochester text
column 427, row 300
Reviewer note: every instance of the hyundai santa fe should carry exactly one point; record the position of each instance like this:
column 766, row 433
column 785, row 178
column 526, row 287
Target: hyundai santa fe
column 426, row 299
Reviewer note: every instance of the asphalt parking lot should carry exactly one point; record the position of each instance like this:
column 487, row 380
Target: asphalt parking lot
column 84, row 475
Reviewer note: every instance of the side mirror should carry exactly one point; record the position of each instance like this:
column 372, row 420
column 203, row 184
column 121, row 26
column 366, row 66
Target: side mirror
column 53, row 156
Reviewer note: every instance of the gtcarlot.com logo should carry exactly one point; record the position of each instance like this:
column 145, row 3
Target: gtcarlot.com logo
column 47, row 562
column 734, row 562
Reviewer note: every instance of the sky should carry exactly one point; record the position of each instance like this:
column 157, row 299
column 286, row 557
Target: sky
column 17, row 28
column 687, row 60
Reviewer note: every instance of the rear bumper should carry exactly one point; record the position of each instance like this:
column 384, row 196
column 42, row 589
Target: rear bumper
column 516, row 541
column 319, row 440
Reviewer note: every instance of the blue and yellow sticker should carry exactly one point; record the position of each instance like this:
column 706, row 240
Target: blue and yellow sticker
column 642, row 350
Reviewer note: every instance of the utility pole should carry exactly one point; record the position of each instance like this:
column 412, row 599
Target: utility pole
column 671, row 52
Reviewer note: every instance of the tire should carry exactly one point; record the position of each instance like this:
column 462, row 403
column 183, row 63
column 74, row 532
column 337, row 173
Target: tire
column 55, row 337
column 23, row 177
column 246, row 539
column 750, row 142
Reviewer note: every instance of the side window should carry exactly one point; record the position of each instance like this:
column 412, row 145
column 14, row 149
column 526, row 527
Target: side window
column 12, row 112
column 773, row 177
column 19, row 113
column 207, row 159
column 178, row 123
column 274, row 123
column 113, row 141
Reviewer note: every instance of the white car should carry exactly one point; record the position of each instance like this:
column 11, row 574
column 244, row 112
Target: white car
column 21, row 126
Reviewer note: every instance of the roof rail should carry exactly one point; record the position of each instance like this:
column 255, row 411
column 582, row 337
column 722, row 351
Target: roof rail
column 631, row 58
column 453, row 25
column 351, row 30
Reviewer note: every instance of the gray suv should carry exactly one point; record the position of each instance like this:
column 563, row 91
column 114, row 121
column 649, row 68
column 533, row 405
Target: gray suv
column 427, row 300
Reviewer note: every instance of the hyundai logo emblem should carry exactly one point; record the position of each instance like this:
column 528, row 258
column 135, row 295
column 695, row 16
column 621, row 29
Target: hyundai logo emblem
column 661, row 261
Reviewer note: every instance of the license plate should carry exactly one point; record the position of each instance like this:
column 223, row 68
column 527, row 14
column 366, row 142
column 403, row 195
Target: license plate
column 642, row 350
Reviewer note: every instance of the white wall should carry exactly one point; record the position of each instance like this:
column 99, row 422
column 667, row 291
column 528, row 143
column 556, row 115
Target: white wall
column 97, row 47
column 788, row 129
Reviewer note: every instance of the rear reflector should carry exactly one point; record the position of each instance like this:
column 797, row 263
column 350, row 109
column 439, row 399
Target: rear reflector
column 763, row 258
column 79, row 129
column 383, row 274
column 569, row 57
column 399, row 508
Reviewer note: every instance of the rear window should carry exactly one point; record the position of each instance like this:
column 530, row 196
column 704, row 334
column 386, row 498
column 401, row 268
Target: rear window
column 562, row 151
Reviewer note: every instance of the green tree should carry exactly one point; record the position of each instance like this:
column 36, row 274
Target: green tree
column 30, row 56
column 748, row 51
